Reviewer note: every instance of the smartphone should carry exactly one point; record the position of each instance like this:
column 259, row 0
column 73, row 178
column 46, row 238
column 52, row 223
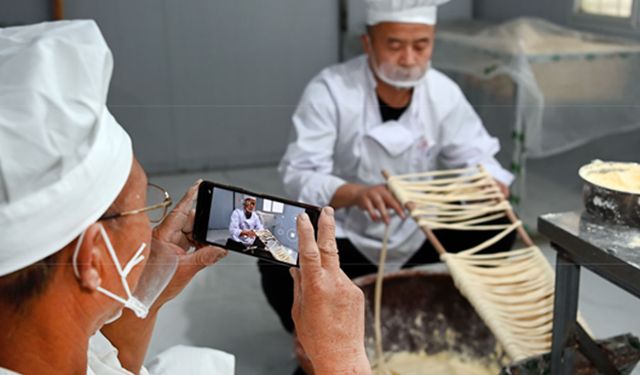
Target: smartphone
column 250, row 223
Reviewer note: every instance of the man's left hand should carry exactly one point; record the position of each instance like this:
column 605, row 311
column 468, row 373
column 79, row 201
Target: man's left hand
column 175, row 232
column 504, row 189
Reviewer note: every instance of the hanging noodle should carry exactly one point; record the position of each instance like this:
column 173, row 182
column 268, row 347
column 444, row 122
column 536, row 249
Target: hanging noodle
column 512, row 291
column 380, row 361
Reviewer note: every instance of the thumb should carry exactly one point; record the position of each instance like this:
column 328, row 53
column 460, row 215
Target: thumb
column 201, row 258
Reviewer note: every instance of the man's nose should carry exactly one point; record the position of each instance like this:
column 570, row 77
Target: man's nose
column 408, row 57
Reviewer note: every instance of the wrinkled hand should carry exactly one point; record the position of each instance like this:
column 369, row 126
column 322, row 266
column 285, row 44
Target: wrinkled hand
column 175, row 232
column 328, row 309
column 377, row 200
column 248, row 233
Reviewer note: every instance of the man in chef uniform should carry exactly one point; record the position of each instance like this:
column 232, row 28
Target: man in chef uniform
column 243, row 224
column 385, row 110
column 82, row 273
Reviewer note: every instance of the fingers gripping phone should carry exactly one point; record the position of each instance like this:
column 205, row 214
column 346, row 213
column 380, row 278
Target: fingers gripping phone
column 254, row 224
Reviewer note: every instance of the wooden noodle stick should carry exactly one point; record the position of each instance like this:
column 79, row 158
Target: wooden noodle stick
column 429, row 233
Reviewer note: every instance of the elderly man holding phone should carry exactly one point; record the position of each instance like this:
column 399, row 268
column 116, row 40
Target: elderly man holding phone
column 82, row 273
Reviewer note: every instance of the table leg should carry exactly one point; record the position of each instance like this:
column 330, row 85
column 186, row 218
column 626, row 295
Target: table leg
column 565, row 312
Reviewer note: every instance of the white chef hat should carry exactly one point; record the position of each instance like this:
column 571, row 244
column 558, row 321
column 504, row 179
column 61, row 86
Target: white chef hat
column 63, row 157
column 406, row 11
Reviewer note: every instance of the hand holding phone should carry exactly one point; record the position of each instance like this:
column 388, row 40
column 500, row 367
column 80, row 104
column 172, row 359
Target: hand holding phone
column 328, row 308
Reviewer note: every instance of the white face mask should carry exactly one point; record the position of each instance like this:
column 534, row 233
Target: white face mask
column 397, row 76
column 158, row 272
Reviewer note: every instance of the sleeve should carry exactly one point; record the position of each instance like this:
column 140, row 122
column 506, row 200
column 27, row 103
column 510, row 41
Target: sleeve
column 102, row 358
column 234, row 225
column 465, row 141
column 306, row 168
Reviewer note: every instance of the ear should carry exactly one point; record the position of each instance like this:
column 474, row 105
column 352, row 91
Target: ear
column 366, row 43
column 88, row 258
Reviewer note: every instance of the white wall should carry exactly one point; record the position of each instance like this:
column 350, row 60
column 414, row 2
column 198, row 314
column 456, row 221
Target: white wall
column 211, row 84
column 205, row 83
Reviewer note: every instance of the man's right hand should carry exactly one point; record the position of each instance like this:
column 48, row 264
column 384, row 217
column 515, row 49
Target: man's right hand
column 376, row 200
column 328, row 309
column 248, row 233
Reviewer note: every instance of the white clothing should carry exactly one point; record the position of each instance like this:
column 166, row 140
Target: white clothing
column 103, row 360
column 338, row 137
column 239, row 222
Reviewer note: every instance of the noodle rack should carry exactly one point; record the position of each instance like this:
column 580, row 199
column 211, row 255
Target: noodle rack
column 512, row 291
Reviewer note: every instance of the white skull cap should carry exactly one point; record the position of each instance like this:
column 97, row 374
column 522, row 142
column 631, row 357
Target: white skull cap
column 63, row 158
column 249, row 197
column 405, row 11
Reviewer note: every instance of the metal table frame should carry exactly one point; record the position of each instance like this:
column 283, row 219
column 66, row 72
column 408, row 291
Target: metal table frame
column 575, row 250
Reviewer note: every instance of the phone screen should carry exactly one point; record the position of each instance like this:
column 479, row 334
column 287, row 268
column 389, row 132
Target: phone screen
column 250, row 223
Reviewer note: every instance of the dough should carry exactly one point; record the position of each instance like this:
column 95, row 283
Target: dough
column 624, row 177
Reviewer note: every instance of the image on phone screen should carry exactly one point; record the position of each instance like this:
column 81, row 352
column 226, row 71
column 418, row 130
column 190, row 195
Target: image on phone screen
column 256, row 225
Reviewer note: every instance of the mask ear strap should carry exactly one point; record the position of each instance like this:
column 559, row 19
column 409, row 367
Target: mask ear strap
column 135, row 260
column 112, row 252
column 131, row 302
column 112, row 295
column 116, row 262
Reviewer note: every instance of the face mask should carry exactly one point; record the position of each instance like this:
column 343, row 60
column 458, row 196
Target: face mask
column 158, row 272
column 397, row 76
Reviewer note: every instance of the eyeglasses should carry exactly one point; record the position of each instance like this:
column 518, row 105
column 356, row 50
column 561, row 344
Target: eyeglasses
column 158, row 202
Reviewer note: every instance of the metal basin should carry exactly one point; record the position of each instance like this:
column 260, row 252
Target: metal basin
column 613, row 206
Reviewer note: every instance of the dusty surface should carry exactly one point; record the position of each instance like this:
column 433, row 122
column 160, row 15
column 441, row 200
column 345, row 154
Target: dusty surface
column 405, row 363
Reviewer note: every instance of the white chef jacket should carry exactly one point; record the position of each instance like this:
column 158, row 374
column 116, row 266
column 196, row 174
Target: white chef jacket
column 239, row 222
column 103, row 360
column 338, row 137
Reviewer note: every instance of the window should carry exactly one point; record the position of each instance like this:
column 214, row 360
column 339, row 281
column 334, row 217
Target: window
column 610, row 8
column 617, row 16
column 272, row 206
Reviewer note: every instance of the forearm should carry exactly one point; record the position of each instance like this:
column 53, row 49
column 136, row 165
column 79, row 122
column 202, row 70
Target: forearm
column 131, row 336
column 346, row 195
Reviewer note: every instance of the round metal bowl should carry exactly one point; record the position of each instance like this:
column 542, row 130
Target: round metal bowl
column 613, row 206
column 422, row 311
